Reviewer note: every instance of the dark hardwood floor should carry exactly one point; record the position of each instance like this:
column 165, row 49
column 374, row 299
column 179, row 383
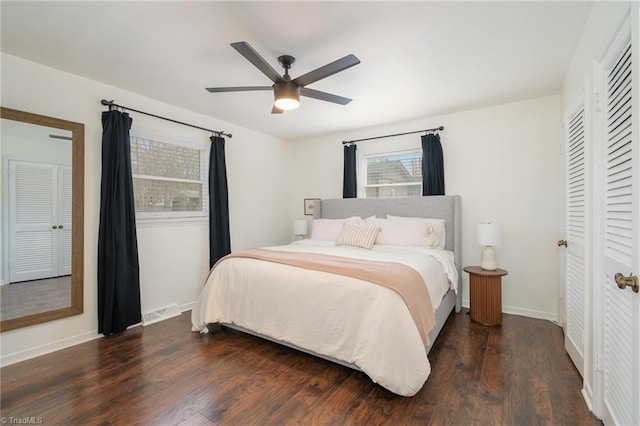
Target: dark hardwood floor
column 163, row 374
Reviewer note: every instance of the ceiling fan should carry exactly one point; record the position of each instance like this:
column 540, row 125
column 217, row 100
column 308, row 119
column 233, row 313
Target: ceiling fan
column 286, row 91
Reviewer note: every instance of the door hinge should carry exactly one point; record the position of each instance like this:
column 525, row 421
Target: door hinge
column 598, row 362
column 597, row 102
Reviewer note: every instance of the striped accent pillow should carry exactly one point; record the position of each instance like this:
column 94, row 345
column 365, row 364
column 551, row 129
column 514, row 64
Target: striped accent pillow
column 358, row 236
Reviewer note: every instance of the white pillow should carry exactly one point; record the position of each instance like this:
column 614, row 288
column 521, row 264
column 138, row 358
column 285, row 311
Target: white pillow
column 330, row 229
column 437, row 236
column 358, row 235
column 400, row 234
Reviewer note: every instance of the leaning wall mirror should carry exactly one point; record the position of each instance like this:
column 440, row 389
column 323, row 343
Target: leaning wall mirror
column 42, row 218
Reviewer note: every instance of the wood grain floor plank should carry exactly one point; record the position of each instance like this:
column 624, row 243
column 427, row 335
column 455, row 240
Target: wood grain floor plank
column 443, row 355
column 530, row 392
column 164, row 374
column 461, row 396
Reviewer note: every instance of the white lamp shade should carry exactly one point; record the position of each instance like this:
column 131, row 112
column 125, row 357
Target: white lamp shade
column 490, row 234
column 301, row 227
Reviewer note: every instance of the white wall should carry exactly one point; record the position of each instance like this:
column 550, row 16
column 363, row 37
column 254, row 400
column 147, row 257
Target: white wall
column 504, row 162
column 602, row 24
column 173, row 258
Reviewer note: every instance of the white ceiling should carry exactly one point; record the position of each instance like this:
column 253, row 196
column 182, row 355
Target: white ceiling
column 419, row 59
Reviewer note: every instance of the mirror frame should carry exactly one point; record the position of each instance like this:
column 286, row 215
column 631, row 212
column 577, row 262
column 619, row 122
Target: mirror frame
column 77, row 219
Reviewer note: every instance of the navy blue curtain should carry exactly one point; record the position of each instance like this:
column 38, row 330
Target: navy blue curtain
column 432, row 165
column 350, row 178
column 118, row 267
column 219, row 237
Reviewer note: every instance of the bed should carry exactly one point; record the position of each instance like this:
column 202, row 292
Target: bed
column 376, row 329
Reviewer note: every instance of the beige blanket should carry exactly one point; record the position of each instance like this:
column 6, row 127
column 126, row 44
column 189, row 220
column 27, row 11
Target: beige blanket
column 404, row 280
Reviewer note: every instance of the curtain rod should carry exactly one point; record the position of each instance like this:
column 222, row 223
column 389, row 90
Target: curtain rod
column 435, row 129
column 112, row 105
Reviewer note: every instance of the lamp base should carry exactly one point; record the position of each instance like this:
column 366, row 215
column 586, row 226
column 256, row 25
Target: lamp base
column 488, row 259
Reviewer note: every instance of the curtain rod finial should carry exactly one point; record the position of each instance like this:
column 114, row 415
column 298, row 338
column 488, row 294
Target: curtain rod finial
column 108, row 103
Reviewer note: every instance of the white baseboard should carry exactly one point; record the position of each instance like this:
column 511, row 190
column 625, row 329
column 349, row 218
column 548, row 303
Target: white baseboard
column 186, row 307
column 549, row 316
column 48, row 348
column 530, row 313
column 587, row 394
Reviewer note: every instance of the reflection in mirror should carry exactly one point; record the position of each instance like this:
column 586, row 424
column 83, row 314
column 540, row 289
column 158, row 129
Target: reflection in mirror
column 41, row 255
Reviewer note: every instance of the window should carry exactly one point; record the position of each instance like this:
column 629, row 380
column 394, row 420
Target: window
column 395, row 174
column 169, row 179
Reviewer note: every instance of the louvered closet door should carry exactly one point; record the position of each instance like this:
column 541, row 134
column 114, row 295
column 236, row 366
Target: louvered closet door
column 621, row 341
column 32, row 214
column 574, row 228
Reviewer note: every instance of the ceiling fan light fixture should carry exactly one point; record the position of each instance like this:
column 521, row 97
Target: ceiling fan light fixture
column 287, row 91
column 287, row 95
column 287, row 104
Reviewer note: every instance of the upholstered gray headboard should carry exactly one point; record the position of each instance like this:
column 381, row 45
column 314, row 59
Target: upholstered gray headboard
column 447, row 207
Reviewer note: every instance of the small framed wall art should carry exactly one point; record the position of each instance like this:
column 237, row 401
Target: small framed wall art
column 308, row 205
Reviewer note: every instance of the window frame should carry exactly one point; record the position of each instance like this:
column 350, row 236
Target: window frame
column 362, row 172
column 177, row 216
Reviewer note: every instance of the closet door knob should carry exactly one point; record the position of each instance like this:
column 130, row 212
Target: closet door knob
column 562, row 243
column 630, row 281
column 54, row 227
column 60, row 226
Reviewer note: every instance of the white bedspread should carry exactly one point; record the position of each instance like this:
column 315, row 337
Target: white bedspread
column 344, row 318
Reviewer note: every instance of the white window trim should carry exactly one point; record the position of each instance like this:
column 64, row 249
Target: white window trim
column 362, row 170
column 158, row 218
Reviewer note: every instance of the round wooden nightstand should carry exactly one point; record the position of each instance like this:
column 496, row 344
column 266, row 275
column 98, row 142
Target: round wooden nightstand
column 485, row 291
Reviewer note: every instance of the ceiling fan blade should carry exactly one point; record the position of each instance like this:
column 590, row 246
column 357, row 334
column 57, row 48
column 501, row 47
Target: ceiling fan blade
column 258, row 61
column 323, row 96
column 327, row 70
column 276, row 110
column 237, row 89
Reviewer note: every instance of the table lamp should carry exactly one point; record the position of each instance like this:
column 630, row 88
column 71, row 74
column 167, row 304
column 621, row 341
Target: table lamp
column 489, row 235
column 301, row 227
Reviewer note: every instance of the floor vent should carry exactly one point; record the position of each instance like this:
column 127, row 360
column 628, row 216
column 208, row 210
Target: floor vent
column 160, row 314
